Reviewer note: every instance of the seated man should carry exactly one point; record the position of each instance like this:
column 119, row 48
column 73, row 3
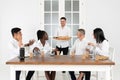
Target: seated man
column 16, row 44
column 79, row 48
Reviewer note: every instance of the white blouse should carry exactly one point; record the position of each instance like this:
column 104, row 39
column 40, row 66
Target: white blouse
column 102, row 48
column 46, row 48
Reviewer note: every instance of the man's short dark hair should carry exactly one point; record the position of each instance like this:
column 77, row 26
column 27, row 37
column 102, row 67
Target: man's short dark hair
column 15, row 30
column 82, row 31
column 63, row 18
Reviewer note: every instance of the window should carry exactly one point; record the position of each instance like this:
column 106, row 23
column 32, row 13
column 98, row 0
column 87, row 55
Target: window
column 51, row 18
column 54, row 9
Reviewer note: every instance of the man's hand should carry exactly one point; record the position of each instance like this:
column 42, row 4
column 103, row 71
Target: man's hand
column 91, row 44
column 20, row 43
column 31, row 42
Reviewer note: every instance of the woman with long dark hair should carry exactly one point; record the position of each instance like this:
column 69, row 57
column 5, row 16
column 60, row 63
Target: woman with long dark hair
column 102, row 46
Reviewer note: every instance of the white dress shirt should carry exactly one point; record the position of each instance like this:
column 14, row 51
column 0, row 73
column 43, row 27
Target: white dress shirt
column 79, row 46
column 65, row 31
column 14, row 48
column 102, row 48
column 46, row 48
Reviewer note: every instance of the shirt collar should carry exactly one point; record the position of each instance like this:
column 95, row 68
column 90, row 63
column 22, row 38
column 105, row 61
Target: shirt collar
column 39, row 42
column 63, row 27
column 82, row 39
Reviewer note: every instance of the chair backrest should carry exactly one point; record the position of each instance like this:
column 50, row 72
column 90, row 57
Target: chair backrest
column 111, row 52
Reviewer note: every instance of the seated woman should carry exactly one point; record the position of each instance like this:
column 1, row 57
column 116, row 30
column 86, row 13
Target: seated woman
column 102, row 46
column 43, row 45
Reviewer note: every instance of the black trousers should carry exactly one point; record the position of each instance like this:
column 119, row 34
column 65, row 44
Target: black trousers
column 28, row 77
column 18, row 75
column 87, row 75
column 50, row 75
column 65, row 50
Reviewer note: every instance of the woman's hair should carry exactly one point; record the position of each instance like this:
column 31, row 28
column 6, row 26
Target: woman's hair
column 40, row 34
column 99, row 35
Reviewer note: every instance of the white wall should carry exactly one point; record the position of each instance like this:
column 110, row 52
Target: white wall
column 26, row 14
column 105, row 14
column 16, row 13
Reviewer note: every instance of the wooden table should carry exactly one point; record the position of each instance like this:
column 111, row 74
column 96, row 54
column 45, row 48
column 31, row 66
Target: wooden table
column 59, row 63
